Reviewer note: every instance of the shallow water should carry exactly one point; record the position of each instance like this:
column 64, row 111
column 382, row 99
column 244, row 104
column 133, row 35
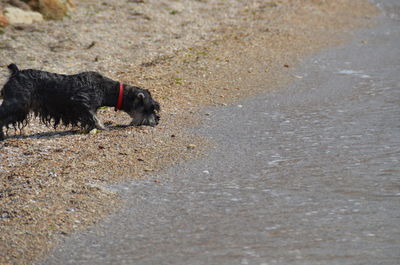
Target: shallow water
column 306, row 175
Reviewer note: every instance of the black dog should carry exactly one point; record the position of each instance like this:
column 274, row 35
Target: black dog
column 71, row 99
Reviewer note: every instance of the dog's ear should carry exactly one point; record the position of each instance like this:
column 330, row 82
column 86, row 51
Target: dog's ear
column 140, row 96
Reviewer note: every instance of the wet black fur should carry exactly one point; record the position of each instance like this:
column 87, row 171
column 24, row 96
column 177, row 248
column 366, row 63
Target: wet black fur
column 67, row 99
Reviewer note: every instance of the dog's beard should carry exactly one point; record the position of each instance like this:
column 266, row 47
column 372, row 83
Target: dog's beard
column 139, row 119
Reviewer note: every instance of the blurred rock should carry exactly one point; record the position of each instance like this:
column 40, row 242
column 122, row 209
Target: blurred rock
column 20, row 4
column 18, row 16
column 52, row 9
column 3, row 20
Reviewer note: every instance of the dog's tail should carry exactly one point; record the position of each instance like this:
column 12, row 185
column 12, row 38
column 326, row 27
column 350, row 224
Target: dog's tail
column 13, row 69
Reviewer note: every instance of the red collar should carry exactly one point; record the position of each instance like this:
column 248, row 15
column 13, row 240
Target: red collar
column 120, row 96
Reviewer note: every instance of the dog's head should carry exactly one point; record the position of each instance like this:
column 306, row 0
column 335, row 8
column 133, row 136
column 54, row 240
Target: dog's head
column 144, row 109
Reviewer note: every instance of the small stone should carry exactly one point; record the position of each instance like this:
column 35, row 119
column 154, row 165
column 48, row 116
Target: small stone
column 191, row 146
column 18, row 16
column 94, row 131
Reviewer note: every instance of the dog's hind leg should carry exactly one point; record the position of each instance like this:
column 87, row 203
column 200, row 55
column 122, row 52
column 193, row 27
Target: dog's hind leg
column 1, row 132
column 11, row 113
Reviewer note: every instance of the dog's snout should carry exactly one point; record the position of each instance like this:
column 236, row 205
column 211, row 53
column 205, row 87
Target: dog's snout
column 155, row 120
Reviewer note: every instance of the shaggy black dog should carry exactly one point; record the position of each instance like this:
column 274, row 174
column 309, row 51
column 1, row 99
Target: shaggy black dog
column 71, row 99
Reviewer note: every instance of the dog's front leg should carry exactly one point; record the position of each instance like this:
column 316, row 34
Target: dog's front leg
column 97, row 122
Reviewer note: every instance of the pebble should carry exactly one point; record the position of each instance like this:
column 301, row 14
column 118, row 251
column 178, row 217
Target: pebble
column 191, row 146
